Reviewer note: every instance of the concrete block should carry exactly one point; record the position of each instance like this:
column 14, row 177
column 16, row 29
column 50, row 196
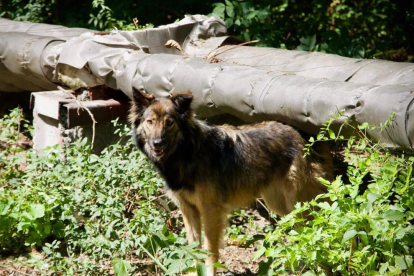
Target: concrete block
column 58, row 118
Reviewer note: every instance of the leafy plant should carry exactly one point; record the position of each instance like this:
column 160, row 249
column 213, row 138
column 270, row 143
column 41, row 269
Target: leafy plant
column 77, row 208
column 31, row 10
column 362, row 226
column 248, row 21
column 121, row 267
column 80, row 210
column 104, row 19
column 359, row 29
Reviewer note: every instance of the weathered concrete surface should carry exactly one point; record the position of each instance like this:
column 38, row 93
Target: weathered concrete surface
column 56, row 120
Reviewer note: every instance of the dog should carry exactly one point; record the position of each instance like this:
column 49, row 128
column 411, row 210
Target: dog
column 210, row 170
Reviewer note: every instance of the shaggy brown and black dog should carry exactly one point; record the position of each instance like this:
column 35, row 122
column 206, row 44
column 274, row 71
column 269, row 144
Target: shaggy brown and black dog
column 210, row 170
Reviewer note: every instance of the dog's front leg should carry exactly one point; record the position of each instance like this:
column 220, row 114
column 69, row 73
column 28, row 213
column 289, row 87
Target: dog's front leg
column 192, row 221
column 214, row 220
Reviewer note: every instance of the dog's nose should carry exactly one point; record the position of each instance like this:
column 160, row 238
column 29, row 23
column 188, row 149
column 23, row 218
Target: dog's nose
column 158, row 143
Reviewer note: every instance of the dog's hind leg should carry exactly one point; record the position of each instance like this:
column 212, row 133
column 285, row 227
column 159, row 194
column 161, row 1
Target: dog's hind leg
column 192, row 221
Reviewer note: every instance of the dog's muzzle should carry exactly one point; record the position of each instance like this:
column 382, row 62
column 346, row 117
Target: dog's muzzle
column 158, row 147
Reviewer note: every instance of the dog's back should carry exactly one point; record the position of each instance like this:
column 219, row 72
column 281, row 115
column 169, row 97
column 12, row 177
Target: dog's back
column 239, row 164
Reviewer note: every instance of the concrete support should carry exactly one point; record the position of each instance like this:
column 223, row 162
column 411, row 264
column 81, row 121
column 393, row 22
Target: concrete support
column 60, row 119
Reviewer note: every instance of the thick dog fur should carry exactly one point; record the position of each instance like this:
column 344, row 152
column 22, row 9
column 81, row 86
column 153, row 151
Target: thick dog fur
column 210, row 170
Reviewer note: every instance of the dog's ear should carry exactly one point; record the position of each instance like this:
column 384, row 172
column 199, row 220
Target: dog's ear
column 182, row 100
column 141, row 99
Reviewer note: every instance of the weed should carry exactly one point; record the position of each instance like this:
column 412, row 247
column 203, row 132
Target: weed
column 86, row 213
column 81, row 213
column 365, row 228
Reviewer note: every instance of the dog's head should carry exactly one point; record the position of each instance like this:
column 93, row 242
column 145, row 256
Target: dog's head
column 158, row 122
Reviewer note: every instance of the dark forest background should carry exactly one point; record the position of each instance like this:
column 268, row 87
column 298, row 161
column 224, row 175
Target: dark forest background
column 354, row 28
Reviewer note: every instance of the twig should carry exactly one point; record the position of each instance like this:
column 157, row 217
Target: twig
column 160, row 196
column 131, row 202
column 264, row 206
column 143, row 262
column 18, row 127
column 231, row 48
column 80, row 105
column 135, row 21
column 153, row 258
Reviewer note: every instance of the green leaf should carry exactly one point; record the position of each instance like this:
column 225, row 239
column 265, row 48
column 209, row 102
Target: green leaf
column 392, row 168
column 372, row 197
column 363, row 126
column 219, row 9
column 228, row 3
column 331, row 134
column 229, row 22
column 201, row 269
column 324, row 205
column 47, row 227
column 262, row 14
column 312, row 47
column 176, row 266
column 47, row 250
column 410, row 270
column 246, row 36
column 404, row 262
column 230, row 11
column 383, row 267
column 259, row 253
column 219, row 265
column 312, row 255
column 4, row 208
column 59, row 229
column 37, row 210
column 21, row 226
column 251, row 15
column 393, row 215
column 349, row 235
column 121, row 267
column 407, row 181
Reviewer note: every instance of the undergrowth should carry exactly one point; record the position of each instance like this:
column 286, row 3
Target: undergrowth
column 365, row 228
column 80, row 210
column 80, row 213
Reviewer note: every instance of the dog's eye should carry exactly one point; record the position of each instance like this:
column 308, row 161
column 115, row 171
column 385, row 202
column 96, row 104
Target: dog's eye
column 149, row 122
column 169, row 122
